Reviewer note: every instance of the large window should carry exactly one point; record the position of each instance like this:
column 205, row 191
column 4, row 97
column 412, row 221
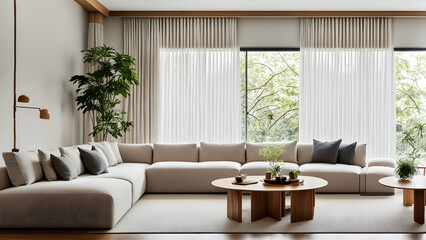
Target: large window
column 270, row 95
column 411, row 104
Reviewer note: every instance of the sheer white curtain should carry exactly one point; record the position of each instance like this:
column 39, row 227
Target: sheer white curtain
column 188, row 69
column 199, row 81
column 347, row 85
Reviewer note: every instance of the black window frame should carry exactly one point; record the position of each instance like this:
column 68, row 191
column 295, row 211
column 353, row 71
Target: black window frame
column 258, row 49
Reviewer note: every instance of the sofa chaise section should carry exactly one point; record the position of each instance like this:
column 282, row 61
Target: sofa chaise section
column 341, row 178
column 376, row 169
column 85, row 202
column 134, row 173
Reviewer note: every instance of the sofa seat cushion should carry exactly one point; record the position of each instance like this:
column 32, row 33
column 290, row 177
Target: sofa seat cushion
column 85, row 202
column 260, row 167
column 134, row 173
column 188, row 177
column 342, row 178
column 371, row 179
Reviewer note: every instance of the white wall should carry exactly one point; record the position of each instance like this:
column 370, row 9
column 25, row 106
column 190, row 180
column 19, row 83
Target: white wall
column 113, row 33
column 284, row 32
column 268, row 32
column 410, row 32
column 51, row 34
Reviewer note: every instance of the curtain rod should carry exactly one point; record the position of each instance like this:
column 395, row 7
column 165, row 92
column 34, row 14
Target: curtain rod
column 269, row 14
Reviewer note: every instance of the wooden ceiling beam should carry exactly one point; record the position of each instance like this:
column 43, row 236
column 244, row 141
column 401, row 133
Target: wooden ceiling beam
column 269, row 14
column 94, row 6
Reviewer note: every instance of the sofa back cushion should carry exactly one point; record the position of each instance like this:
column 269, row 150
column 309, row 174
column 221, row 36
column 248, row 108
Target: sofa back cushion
column 289, row 154
column 23, row 167
column 187, row 152
column 222, row 152
column 136, row 153
column 304, row 154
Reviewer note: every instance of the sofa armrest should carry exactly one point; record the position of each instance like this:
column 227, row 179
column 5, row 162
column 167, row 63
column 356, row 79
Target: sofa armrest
column 382, row 162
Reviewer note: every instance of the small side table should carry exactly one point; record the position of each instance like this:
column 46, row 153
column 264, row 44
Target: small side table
column 414, row 191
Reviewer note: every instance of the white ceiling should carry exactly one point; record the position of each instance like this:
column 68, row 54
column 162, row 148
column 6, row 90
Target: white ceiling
column 265, row 5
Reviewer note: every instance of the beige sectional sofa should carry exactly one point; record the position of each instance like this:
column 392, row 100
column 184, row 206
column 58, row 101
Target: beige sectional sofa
column 99, row 201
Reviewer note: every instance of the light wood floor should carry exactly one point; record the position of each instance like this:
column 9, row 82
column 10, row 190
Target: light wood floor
column 83, row 235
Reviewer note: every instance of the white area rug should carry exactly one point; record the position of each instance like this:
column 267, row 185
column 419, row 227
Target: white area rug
column 206, row 213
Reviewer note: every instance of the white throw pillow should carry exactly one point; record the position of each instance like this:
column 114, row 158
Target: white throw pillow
column 114, row 147
column 74, row 155
column 46, row 163
column 23, row 167
column 102, row 153
column 109, row 154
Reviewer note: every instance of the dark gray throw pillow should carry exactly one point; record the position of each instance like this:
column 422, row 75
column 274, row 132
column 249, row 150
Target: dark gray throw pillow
column 346, row 153
column 94, row 160
column 64, row 167
column 325, row 152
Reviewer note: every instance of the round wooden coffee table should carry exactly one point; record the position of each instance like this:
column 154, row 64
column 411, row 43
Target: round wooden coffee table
column 268, row 200
column 414, row 191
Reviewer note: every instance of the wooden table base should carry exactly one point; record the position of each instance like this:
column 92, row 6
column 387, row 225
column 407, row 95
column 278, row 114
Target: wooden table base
column 235, row 205
column 272, row 204
column 267, row 204
column 408, row 197
column 418, row 198
column 419, row 206
column 302, row 205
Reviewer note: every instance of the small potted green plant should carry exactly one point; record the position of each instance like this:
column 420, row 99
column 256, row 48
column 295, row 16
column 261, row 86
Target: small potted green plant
column 293, row 174
column 273, row 156
column 406, row 169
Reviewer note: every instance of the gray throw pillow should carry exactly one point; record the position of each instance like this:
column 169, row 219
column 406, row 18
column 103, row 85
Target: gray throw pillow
column 94, row 160
column 64, row 167
column 346, row 153
column 325, row 152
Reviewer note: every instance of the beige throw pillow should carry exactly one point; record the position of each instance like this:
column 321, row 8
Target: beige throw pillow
column 74, row 155
column 23, row 168
column 109, row 154
column 116, row 150
column 46, row 163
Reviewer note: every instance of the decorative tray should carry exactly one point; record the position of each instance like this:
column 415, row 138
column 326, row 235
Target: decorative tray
column 286, row 182
column 244, row 182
